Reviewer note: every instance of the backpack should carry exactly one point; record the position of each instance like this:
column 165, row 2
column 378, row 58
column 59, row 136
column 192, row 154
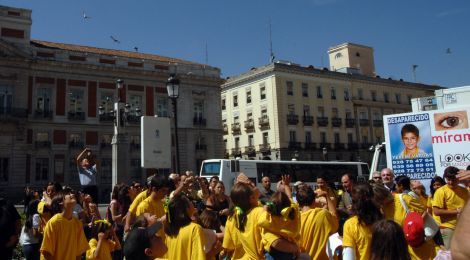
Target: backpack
column 413, row 226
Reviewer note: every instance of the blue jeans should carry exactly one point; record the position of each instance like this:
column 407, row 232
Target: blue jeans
column 278, row 255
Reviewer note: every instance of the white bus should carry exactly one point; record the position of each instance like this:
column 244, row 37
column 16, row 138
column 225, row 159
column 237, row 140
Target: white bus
column 305, row 171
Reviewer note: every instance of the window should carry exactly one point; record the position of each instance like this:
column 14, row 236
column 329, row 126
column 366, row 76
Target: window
column 105, row 171
column 236, row 119
column 43, row 100
column 290, row 88
column 264, row 112
column 338, row 55
column 135, row 140
column 308, row 137
column 42, row 169
column 373, row 94
column 333, row 93
column 237, row 142
column 250, row 140
column 386, row 97
column 321, row 112
column 162, row 106
column 292, row 136
column 365, row 140
column 223, row 103
column 304, row 89
column 135, row 101
column 398, row 98
column 42, row 136
column 358, row 54
column 235, row 100
column 323, row 137
column 337, row 138
column 306, row 110
column 348, row 114
column 265, row 138
column 225, row 144
column 346, row 94
column 106, row 139
column 319, row 92
column 350, row 138
column 75, row 139
column 334, row 112
column 262, row 92
column 4, row 169
column 377, row 116
column 360, row 94
column 198, row 109
column 248, row 97
column 249, row 116
column 291, row 109
column 409, row 99
column 76, row 101
column 106, row 101
column 6, row 99
column 363, row 115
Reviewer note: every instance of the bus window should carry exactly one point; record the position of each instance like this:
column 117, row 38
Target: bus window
column 210, row 169
column 365, row 169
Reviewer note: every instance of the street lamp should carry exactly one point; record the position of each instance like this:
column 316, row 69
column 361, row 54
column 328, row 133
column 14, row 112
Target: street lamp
column 325, row 154
column 296, row 155
column 172, row 86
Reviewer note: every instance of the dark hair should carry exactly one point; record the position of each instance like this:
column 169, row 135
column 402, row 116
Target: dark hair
column 160, row 182
column 279, row 201
column 214, row 177
column 57, row 205
column 177, row 215
column 409, row 128
column 57, row 186
column 140, row 221
column 30, row 212
column 115, row 192
column 363, row 205
column 305, row 195
column 209, row 219
column 124, row 199
column 350, row 177
column 403, row 181
column 323, row 177
column 388, row 242
column 468, row 168
column 240, row 195
column 450, row 172
column 99, row 226
column 434, row 180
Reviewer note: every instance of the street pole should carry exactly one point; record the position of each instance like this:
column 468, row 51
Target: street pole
column 175, row 113
column 120, row 142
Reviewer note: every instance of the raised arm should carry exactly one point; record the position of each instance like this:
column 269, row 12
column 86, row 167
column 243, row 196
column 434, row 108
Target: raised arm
column 82, row 155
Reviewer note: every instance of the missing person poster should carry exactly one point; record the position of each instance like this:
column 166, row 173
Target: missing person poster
column 422, row 144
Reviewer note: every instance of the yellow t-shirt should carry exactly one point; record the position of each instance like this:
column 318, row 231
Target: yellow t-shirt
column 138, row 199
column 447, row 198
column 316, row 225
column 250, row 238
column 436, row 218
column 286, row 228
column 232, row 240
column 395, row 211
column 187, row 245
column 357, row 236
column 426, row 251
column 64, row 238
column 149, row 205
column 107, row 246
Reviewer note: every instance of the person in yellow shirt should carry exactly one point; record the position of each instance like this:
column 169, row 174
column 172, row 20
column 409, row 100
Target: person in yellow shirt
column 231, row 242
column 185, row 239
column 143, row 243
column 103, row 241
column 130, row 216
column 357, row 231
column 316, row 224
column 63, row 235
column 153, row 204
column 44, row 206
column 448, row 202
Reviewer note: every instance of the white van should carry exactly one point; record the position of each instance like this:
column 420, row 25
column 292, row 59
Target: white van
column 305, row 171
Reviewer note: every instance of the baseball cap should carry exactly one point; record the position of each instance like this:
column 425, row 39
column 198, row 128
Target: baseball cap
column 138, row 240
column 298, row 183
column 413, row 227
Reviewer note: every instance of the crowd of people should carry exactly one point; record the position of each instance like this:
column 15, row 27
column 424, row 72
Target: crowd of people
column 183, row 216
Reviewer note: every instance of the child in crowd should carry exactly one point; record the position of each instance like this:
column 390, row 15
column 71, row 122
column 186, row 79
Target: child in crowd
column 209, row 221
column 63, row 235
column 30, row 238
column 103, row 242
column 388, row 242
column 142, row 243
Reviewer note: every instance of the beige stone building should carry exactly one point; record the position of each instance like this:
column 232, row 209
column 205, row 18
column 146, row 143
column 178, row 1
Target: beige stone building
column 49, row 99
column 282, row 110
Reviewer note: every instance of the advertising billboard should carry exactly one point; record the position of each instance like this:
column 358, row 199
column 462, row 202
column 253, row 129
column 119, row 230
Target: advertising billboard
column 155, row 142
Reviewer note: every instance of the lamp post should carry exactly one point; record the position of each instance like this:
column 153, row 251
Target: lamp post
column 325, row 154
column 172, row 86
column 120, row 141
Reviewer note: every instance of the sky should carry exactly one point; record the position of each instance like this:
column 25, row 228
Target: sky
column 233, row 35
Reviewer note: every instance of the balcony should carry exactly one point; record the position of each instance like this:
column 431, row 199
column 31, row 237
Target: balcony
column 350, row 122
column 322, row 121
column 133, row 119
column 236, row 151
column 134, row 146
column 7, row 113
column 310, row 146
column 225, row 129
column 107, row 117
column 199, row 121
column 42, row 144
column 378, row 122
column 106, row 145
column 325, row 145
column 250, row 150
column 292, row 119
column 336, row 121
column 46, row 114
column 201, row 147
column 236, row 130
column 352, row 146
column 294, row 145
column 76, row 116
column 366, row 146
column 308, row 120
column 263, row 122
column 264, row 148
column 364, row 122
column 339, row 146
column 76, row 145
column 249, row 126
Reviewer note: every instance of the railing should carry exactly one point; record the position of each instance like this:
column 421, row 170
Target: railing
column 264, row 148
column 350, row 122
column 42, row 144
column 78, row 116
column 199, row 121
column 339, row 146
column 378, row 122
column 134, row 146
column 236, row 128
column 325, row 145
column 308, row 120
column 364, row 122
column 292, row 119
column 76, row 144
column 336, row 121
column 294, row 145
column 353, row 146
column 133, row 119
column 43, row 114
column 249, row 125
column 250, row 149
column 236, row 151
column 310, row 146
column 13, row 112
column 107, row 117
column 225, row 129
column 263, row 122
column 322, row 121
column 105, row 145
